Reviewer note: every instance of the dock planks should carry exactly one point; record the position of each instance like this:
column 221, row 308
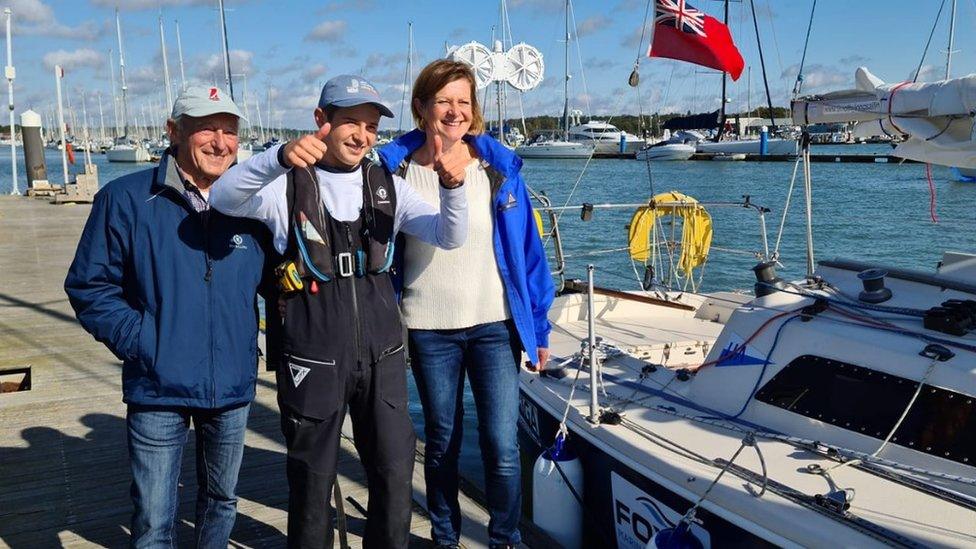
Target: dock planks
column 64, row 475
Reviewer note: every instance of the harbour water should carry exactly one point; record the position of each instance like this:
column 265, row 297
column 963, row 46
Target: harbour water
column 869, row 212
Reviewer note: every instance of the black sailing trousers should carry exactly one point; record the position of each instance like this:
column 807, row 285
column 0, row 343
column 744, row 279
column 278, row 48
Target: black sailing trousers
column 376, row 398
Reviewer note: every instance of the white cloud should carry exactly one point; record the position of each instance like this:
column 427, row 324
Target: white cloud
column 327, row 31
column 315, row 72
column 35, row 18
column 241, row 62
column 31, row 11
column 72, row 60
column 591, row 25
column 818, row 77
column 133, row 5
column 929, row 73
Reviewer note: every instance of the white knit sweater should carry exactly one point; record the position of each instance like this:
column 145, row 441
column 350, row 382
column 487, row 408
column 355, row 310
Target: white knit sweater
column 459, row 288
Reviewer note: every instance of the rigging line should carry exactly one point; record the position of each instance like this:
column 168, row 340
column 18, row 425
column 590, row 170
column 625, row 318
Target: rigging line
column 570, row 197
column 819, row 447
column 579, row 57
column 799, row 75
column 772, row 29
column 640, row 45
column 929, row 42
column 587, row 513
column 789, row 196
column 897, row 425
column 689, row 516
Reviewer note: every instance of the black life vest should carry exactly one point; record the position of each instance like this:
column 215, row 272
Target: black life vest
column 350, row 317
column 311, row 249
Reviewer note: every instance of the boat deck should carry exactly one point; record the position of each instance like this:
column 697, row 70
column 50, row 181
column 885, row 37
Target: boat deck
column 64, row 476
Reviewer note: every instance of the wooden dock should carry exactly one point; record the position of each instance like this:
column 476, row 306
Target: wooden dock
column 64, row 476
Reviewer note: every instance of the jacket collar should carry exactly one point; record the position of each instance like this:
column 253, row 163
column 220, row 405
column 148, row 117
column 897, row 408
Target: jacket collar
column 167, row 175
column 491, row 151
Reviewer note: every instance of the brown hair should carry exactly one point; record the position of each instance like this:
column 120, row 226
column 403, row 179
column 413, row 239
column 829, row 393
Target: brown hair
column 435, row 76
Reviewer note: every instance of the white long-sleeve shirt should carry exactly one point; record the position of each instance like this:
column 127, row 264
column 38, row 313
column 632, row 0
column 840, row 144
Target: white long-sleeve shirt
column 257, row 188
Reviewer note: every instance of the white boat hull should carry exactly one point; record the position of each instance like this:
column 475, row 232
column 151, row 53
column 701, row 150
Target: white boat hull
column 555, row 149
column 127, row 154
column 748, row 146
column 670, row 152
column 611, row 147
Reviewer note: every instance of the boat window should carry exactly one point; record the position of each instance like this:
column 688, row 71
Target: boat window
column 941, row 422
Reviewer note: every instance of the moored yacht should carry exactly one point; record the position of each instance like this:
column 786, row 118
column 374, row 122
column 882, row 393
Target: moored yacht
column 835, row 410
column 542, row 147
column 605, row 137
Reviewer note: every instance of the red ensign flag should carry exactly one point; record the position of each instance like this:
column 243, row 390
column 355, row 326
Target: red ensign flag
column 687, row 34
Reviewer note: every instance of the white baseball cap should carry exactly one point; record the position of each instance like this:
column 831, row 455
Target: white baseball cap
column 200, row 101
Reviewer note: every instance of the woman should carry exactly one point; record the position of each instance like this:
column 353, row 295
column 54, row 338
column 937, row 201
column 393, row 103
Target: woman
column 471, row 311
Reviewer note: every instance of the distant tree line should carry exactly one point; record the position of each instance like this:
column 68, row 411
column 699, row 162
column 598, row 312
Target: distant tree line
column 648, row 124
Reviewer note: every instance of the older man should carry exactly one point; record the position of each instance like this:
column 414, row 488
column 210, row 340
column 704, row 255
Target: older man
column 169, row 286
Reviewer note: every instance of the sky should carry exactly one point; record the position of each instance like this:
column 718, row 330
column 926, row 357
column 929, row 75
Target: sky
column 287, row 49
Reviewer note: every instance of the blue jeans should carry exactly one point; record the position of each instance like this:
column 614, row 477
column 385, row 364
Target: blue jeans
column 156, row 436
column 489, row 354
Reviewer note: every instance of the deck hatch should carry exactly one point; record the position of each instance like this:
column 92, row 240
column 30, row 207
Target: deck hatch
column 941, row 423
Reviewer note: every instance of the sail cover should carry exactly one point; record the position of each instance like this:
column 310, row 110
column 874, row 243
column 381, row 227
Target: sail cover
column 935, row 120
column 693, row 122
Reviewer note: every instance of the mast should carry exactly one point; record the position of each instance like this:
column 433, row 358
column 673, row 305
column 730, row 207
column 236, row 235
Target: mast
column 270, row 117
column 566, row 83
column 101, row 117
column 725, row 77
column 124, row 106
column 58, row 75
column 115, row 96
column 407, row 77
column 257, row 107
column 162, row 48
column 179, row 49
column 87, row 133
column 11, row 73
column 762, row 64
column 247, row 114
column 223, row 34
column 952, row 32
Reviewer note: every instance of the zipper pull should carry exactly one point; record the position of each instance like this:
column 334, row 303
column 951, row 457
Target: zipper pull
column 313, row 288
column 209, row 275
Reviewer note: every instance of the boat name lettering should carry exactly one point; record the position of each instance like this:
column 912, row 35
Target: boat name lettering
column 637, row 516
column 530, row 416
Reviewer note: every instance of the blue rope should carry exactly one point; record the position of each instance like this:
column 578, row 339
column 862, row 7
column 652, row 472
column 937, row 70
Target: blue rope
column 762, row 373
column 759, row 379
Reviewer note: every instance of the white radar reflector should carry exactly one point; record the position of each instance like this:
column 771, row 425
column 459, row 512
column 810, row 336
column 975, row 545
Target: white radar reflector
column 480, row 59
column 526, row 67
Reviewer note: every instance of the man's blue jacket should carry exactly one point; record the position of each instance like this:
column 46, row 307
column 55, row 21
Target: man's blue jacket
column 518, row 248
column 170, row 291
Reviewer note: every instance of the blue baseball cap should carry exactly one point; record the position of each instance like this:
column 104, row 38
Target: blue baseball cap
column 348, row 91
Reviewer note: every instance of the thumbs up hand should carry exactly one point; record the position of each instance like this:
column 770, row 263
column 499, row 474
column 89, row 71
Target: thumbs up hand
column 449, row 164
column 308, row 149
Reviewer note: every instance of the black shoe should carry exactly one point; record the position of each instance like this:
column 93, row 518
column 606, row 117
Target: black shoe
column 447, row 546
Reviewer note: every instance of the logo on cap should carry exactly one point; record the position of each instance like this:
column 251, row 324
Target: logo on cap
column 214, row 96
column 353, row 86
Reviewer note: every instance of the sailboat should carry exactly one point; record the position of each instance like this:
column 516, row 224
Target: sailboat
column 544, row 146
column 725, row 144
column 125, row 149
column 836, row 410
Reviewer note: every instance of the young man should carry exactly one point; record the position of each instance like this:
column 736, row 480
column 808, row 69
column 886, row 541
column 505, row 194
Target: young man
column 169, row 286
column 334, row 217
